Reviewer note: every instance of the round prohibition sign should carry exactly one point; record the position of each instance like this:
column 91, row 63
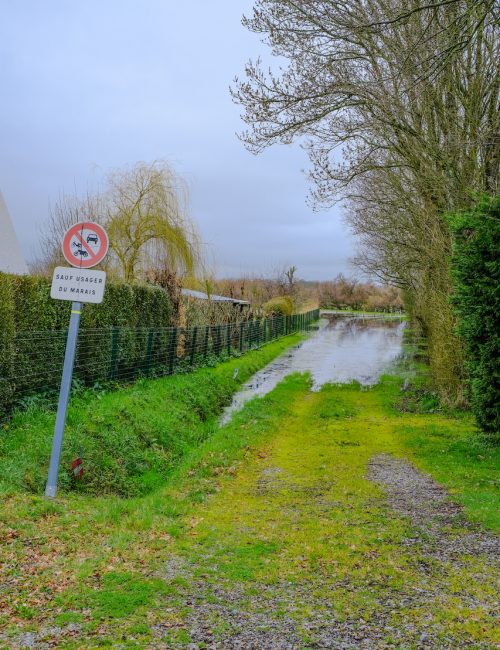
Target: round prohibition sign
column 85, row 244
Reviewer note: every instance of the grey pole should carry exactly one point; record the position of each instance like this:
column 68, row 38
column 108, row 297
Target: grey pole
column 62, row 406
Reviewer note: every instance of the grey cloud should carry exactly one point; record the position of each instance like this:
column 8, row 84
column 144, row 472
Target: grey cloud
column 90, row 86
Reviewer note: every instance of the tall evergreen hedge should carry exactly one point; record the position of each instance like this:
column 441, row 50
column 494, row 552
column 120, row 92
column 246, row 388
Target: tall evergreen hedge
column 7, row 332
column 31, row 348
column 476, row 273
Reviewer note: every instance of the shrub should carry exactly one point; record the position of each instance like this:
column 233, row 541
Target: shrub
column 476, row 299
column 282, row 305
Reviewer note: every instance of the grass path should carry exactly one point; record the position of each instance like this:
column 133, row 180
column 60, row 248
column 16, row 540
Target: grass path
column 287, row 529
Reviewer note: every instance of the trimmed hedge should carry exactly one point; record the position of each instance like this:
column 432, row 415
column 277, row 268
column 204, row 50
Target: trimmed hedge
column 476, row 272
column 123, row 306
column 33, row 331
column 7, row 333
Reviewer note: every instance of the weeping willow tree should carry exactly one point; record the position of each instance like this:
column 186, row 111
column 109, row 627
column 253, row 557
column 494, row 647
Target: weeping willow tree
column 148, row 223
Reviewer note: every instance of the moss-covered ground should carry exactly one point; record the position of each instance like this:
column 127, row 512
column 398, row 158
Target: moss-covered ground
column 268, row 524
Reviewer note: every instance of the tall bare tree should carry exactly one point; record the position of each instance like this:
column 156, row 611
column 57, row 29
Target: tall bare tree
column 397, row 105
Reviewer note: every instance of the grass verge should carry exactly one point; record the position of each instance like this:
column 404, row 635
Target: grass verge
column 129, row 438
column 447, row 444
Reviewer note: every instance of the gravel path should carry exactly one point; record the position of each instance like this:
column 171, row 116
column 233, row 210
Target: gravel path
column 302, row 615
column 265, row 617
column 415, row 495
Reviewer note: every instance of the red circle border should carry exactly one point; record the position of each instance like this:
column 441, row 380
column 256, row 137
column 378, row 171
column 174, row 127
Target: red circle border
column 93, row 261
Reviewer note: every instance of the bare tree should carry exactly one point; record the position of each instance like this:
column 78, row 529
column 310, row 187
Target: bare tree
column 355, row 90
column 67, row 211
column 398, row 106
column 291, row 279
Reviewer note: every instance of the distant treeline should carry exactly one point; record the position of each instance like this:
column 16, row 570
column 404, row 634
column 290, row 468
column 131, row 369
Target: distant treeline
column 340, row 293
column 348, row 293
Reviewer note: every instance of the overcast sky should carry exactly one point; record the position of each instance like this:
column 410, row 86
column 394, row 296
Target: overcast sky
column 89, row 86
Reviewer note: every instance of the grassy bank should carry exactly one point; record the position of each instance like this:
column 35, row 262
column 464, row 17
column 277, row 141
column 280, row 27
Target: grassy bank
column 129, row 438
column 447, row 444
column 271, row 516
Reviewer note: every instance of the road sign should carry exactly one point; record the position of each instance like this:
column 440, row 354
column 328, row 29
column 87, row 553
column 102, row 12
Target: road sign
column 84, row 285
column 85, row 244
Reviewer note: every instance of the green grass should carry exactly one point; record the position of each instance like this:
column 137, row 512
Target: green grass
column 447, row 444
column 103, row 562
column 96, row 561
column 130, row 438
column 454, row 453
column 115, row 595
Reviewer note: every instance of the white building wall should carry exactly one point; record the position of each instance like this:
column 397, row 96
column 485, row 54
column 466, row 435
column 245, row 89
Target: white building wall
column 11, row 256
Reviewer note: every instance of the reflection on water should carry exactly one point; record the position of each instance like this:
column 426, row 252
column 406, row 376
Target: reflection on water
column 342, row 350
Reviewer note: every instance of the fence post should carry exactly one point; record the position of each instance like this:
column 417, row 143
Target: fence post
column 205, row 342
column 115, row 336
column 173, row 351
column 149, row 351
column 229, row 338
column 219, row 340
column 258, row 333
column 241, row 336
column 193, row 344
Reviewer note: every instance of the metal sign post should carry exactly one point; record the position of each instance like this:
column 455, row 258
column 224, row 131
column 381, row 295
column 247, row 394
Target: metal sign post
column 62, row 406
column 84, row 245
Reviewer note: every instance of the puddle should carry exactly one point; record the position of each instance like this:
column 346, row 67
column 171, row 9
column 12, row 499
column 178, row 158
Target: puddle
column 340, row 351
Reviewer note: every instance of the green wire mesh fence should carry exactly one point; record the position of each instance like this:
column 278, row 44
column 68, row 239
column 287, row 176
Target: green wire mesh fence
column 121, row 354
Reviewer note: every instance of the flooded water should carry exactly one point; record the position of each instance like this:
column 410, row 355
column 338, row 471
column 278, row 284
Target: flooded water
column 340, row 351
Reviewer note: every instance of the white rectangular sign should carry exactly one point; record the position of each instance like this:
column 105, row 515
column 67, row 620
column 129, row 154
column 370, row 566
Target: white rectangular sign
column 83, row 285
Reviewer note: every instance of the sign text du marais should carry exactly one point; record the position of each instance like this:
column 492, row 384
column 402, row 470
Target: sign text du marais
column 83, row 285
